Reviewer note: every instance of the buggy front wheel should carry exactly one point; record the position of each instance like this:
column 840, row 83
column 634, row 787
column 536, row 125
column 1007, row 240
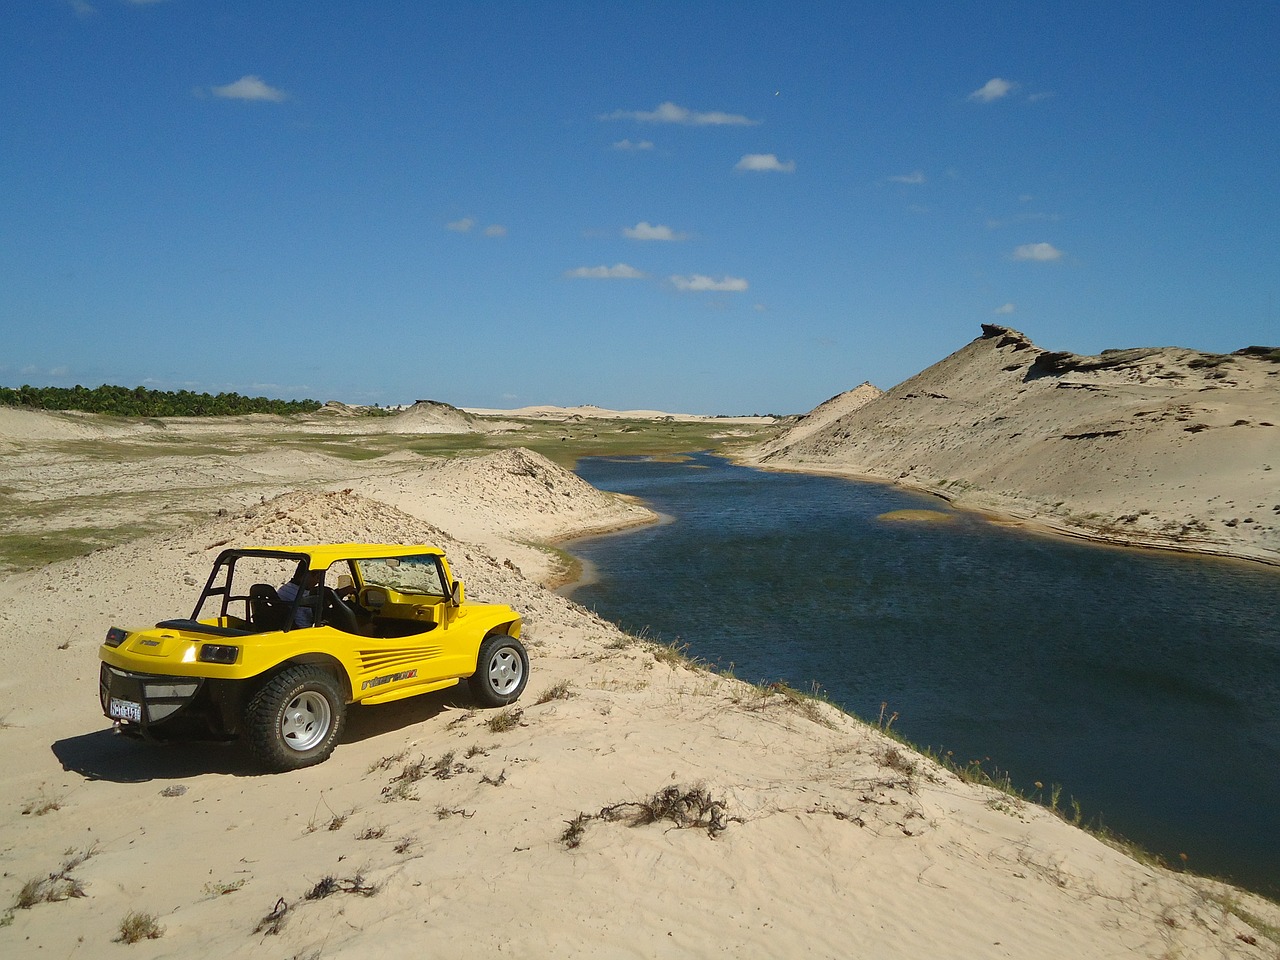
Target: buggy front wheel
column 502, row 670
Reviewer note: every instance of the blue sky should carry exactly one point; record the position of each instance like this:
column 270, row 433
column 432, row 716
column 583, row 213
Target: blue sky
column 702, row 207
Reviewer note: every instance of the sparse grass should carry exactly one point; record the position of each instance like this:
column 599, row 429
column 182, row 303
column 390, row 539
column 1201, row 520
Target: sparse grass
column 57, row 886
column 674, row 654
column 897, row 760
column 459, row 720
column 444, row 768
column 139, row 926
column 506, row 719
column 41, row 805
column 222, row 889
column 336, row 821
column 684, row 808
column 444, row 813
column 573, row 832
column 401, row 785
column 386, row 763
column 328, row 886
column 371, row 833
column 808, row 705
column 558, row 691
column 271, row 924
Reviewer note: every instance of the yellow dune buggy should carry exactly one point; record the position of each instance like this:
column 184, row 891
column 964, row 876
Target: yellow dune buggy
column 282, row 639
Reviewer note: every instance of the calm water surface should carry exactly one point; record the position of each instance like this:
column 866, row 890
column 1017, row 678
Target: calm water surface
column 1146, row 684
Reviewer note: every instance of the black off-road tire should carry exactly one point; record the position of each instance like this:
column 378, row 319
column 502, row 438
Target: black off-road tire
column 502, row 671
column 296, row 719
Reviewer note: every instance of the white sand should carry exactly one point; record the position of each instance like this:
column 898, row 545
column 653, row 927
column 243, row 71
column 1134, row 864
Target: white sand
column 835, row 841
column 1164, row 447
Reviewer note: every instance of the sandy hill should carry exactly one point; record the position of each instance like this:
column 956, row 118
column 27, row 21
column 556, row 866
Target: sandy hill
column 824, row 413
column 1158, row 446
column 592, row 412
column 639, row 807
column 430, row 416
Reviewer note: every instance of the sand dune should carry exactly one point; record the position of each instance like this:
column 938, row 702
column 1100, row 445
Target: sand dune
column 640, row 807
column 1163, row 447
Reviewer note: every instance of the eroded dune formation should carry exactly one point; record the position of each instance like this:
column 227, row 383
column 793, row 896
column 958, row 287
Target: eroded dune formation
column 1165, row 447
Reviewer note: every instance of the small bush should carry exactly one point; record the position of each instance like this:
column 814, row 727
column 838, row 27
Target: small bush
column 507, row 719
column 559, row 691
column 138, row 926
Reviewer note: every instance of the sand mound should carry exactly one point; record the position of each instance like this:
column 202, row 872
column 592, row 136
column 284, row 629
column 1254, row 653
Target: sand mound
column 823, row 414
column 1160, row 446
column 20, row 424
column 430, row 416
column 513, row 497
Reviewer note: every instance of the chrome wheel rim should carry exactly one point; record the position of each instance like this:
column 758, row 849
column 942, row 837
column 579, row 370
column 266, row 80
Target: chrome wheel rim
column 306, row 720
column 505, row 671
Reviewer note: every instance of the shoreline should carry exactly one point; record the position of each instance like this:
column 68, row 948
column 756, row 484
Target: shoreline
column 1033, row 522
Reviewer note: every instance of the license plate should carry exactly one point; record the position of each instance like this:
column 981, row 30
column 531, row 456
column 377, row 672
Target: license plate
column 125, row 710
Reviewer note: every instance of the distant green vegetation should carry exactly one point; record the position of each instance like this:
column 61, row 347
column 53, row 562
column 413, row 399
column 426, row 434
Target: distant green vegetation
column 141, row 402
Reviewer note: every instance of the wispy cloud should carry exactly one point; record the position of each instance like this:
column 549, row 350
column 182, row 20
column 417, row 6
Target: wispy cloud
column 1004, row 309
column 249, row 87
column 619, row 271
column 648, row 231
column 993, row 89
column 698, row 283
column 1042, row 252
column 915, row 177
column 672, row 113
column 633, row 145
column 765, row 162
column 467, row 224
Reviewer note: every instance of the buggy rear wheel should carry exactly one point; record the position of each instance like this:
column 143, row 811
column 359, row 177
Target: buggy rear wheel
column 295, row 720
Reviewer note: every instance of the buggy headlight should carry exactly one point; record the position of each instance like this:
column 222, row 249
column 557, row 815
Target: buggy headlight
column 223, row 653
column 116, row 636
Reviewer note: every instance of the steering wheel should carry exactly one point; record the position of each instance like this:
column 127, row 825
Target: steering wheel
column 338, row 614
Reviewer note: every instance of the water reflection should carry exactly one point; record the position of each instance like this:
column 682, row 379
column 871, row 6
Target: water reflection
column 1147, row 684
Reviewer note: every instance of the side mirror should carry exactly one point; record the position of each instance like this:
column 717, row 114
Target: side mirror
column 456, row 594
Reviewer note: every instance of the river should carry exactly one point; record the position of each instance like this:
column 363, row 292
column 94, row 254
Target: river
column 1145, row 684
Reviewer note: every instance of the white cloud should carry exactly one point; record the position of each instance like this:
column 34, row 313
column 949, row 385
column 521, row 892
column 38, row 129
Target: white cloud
column 495, row 230
column 1042, row 252
column 765, row 162
column 915, row 177
column 1006, row 308
column 671, row 113
column 993, row 89
column 647, row 231
column 619, row 271
column 633, row 145
column 461, row 226
column 698, row 283
column 249, row 88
